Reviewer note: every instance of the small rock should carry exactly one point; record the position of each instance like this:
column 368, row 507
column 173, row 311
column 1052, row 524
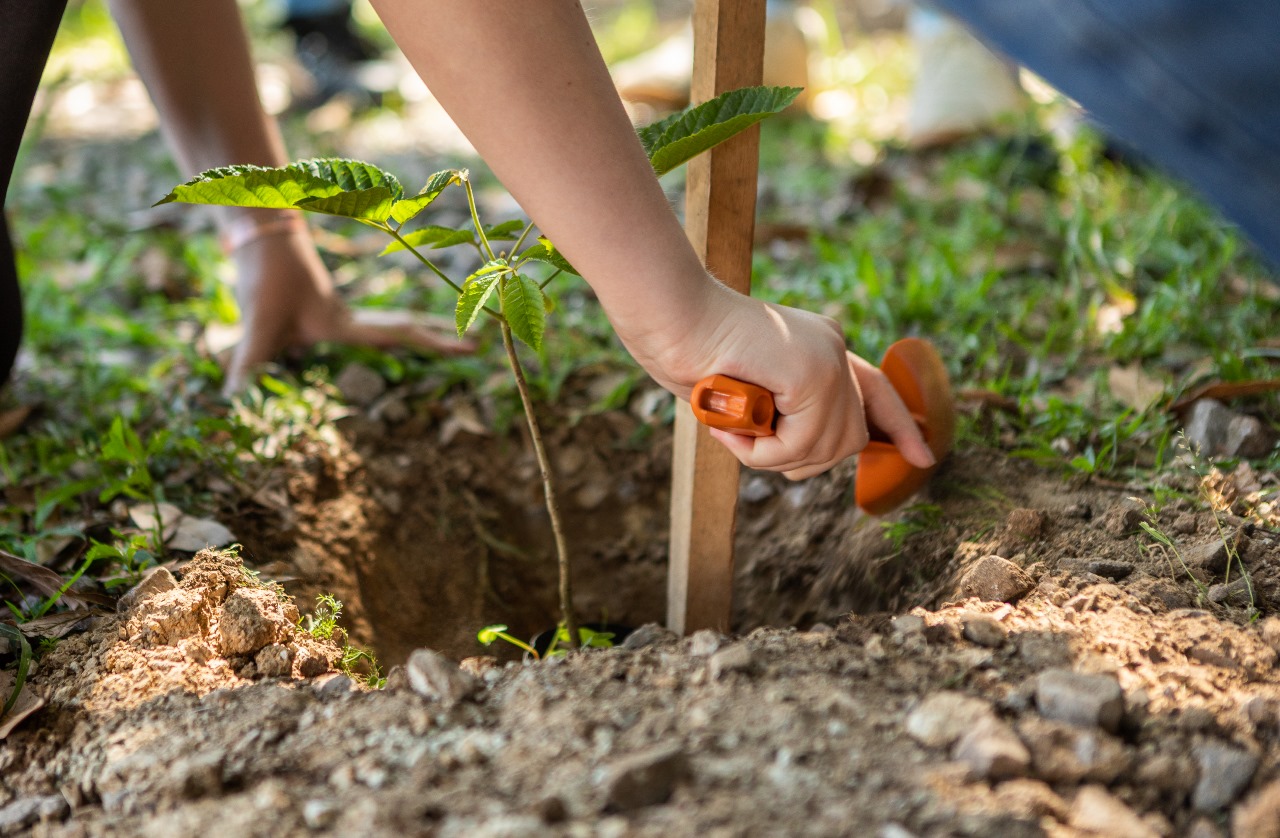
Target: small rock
column 552, row 809
column 1238, row 592
column 249, row 619
column 478, row 665
column 391, row 409
column 1205, row 828
column 397, row 679
column 1096, row 810
column 984, row 631
column 1248, row 437
column 1211, row 557
column 992, row 750
column 168, row 617
column 155, row 581
column 649, row 634
column 1081, row 510
column 1123, row 519
column 1217, row 431
column 318, row 814
column 311, row 663
column 274, row 661
column 704, row 641
column 27, row 810
column 1030, row 799
column 359, row 384
column 644, row 779
column 995, row 579
column 1258, row 816
column 435, row 677
column 1078, row 699
column 908, row 625
column 893, row 830
column 944, row 717
column 756, row 489
column 1062, row 753
column 1109, row 569
column 1185, row 524
column 338, row 685
column 1225, row 771
column 733, row 658
column 1027, row 524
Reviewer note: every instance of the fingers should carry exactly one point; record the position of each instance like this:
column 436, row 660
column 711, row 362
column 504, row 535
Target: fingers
column 886, row 412
column 387, row 329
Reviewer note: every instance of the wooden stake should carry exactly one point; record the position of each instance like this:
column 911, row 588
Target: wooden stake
column 728, row 37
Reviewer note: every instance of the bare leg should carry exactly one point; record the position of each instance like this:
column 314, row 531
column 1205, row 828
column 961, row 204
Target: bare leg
column 25, row 39
column 195, row 61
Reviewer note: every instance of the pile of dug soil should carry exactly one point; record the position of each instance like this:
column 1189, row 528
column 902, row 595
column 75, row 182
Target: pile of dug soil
column 1068, row 684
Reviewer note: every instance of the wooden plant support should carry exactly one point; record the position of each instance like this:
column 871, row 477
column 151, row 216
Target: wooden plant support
column 728, row 37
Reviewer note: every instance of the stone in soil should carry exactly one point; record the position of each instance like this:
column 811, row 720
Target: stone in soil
column 1062, row 753
column 992, row 750
column 1217, row 431
column 26, row 811
column 944, row 717
column 1211, row 557
column 996, row 579
column 734, row 658
column 1110, row 569
column 251, row 618
column 984, row 631
column 644, row 779
column 1079, row 699
column 436, row 678
column 156, row 581
column 1097, row 811
column 1026, row 524
column 1225, row 771
column 1124, row 519
column 359, row 384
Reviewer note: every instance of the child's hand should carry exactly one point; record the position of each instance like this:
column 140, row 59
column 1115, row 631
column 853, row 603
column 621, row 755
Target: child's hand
column 824, row 394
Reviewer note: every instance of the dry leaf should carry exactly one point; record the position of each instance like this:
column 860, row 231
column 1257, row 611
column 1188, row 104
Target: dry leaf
column 45, row 581
column 1225, row 390
column 60, row 624
column 195, row 534
column 1133, row 388
column 28, row 702
column 11, row 420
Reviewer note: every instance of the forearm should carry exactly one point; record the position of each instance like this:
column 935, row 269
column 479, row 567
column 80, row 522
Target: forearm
column 543, row 113
column 194, row 59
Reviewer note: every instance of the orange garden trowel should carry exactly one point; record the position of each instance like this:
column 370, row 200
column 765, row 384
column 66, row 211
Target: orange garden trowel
column 884, row 479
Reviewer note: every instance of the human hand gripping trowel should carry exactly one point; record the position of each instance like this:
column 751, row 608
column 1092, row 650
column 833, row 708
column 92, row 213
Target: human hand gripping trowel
column 884, row 478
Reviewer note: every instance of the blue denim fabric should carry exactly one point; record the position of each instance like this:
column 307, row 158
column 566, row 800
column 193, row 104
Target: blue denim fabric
column 1193, row 84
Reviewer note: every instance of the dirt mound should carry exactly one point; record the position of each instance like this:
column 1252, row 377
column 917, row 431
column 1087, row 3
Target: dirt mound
column 1067, row 679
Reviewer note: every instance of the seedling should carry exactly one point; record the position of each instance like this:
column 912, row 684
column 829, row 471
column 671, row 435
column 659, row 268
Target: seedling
column 587, row 639
column 355, row 663
column 510, row 286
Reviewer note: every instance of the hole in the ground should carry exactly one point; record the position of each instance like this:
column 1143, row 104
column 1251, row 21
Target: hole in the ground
column 428, row 543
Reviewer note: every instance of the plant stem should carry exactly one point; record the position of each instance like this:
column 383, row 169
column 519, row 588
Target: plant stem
column 548, row 489
column 424, row 260
column 515, row 248
column 475, row 219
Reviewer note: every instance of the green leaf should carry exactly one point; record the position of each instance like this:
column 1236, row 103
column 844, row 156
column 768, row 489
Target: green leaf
column 523, row 307
column 488, row 634
column 545, row 251
column 436, row 237
column 283, row 187
column 506, row 231
column 403, row 211
column 475, row 293
column 251, row 186
column 350, row 175
column 680, row 137
column 372, row 204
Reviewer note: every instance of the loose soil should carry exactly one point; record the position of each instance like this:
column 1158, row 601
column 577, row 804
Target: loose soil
column 884, row 677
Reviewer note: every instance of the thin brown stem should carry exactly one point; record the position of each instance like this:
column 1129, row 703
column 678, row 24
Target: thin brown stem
column 548, row 489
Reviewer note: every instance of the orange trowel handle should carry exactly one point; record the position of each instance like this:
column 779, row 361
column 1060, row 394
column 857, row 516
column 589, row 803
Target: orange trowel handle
column 735, row 406
column 742, row 408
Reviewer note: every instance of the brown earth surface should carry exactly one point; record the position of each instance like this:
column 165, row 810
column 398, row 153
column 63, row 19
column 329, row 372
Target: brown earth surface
column 1085, row 682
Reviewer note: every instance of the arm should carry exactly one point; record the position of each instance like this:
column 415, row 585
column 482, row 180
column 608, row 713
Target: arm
column 542, row 111
column 195, row 61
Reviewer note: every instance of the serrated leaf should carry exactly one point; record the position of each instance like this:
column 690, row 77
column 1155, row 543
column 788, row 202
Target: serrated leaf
column 475, row 293
column 251, row 186
column 373, row 204
column 350, row 175
column 405, row 210
column 680, row 137
column 436, row 237
column 506, row 231
column 545, row 251
column 523, row 307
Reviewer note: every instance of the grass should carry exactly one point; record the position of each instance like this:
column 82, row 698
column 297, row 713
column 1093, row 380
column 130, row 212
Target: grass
column 1037, row 266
